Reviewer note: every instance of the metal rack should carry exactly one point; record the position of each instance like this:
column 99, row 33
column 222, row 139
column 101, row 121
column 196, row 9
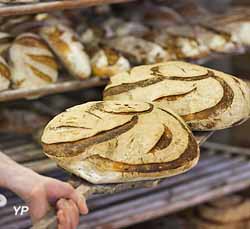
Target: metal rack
column 21, row 9
column 59, row 87
column 221, row 170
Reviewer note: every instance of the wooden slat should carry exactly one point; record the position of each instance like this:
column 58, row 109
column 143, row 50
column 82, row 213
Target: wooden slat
column 59, row 87
column 10, row 10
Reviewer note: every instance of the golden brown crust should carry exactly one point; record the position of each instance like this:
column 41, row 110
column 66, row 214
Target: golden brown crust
column 32, row 63
column 68, row 48
column 31, row 41
column 44, row 59
column 152, row 143
column 71, row 149
column 195, row 102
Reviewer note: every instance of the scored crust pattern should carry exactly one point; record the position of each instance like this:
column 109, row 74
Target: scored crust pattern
column 109, row 142
column 206, row 99
column 66, row 45
column 32, row 63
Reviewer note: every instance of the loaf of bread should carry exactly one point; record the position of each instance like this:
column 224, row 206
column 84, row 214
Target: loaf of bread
column 65, row 43
column 116, row 27
column 113, row 142
column 206, row 99
column 5, row 75
column 108, row 62
column 32, row 63
column 178, row 44
column 235, row 23
column 138, row 50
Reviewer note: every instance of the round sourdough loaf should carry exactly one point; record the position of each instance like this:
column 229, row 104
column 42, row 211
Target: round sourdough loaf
column 206, row 99
column 113, row 142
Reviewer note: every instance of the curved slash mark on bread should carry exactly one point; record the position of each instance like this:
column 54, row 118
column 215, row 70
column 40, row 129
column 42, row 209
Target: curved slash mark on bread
column 45, row 60
column 95, row 115
column 74, row 148
column 99, row 106
column 174, row 97
column 225, row 102
column 68, row 127
column 239, row 84
column 40, row 74
column 125, row 87
column 163, row 142
column 186, row 158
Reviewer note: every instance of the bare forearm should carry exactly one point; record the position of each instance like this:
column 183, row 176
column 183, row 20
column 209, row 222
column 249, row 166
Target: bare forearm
column 14, row 176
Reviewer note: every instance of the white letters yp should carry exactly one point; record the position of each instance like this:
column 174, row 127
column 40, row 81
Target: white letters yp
column 21, row 210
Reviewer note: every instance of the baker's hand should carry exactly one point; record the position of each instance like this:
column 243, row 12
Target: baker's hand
column 47, row 191
column 40, row 192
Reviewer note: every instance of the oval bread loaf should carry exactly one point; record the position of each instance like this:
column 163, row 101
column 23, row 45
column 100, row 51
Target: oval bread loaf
column 65, row 43
column 138, row 50
column 32, row 63
column 206, row 99
column 113, row 142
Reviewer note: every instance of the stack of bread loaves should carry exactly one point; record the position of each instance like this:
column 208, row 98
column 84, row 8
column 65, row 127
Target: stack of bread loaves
column 141, row 129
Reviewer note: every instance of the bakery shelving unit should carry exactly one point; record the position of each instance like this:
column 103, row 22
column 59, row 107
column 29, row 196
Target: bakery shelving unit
column 221, row 170
column 48, row 6
column 59, row 87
